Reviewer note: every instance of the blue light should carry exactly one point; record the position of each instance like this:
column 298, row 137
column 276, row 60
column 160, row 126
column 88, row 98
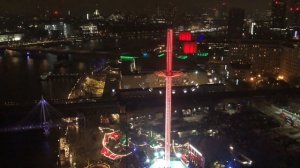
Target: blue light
column 296, row 34
column 145, row 54
column 200, row 38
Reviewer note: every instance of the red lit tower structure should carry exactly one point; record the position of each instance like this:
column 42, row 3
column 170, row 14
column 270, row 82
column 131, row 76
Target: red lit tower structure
column 168, row 115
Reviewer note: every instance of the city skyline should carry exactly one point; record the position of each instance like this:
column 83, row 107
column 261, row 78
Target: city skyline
column 80, row 7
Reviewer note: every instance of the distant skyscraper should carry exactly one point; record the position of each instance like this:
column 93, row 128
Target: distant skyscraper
column 293, row 13
column 235, row 22
column 222, row 9
column 278, row 14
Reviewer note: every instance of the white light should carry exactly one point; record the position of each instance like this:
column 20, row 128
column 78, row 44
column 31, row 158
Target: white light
column 148, row 160
column 184, row 91
column 178, row 155
column 162, row 153
column 156, row 154
column 160, row 163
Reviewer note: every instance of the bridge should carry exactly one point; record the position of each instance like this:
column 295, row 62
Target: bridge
column 143, row 97
column 41, row 47
column 131, row 100
column 42, row 116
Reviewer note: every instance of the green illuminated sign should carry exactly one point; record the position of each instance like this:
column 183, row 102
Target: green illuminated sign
column 161, row 55
column 183, row 57
column 127, row 58
column 202, row 54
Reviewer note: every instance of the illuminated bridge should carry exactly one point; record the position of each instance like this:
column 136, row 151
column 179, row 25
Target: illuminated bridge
column 132, row 100
column 142, row 97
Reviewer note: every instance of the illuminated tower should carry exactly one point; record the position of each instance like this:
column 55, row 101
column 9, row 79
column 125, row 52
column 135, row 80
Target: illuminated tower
column 168, row 115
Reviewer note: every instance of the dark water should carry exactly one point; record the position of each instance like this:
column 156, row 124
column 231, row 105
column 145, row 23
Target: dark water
column 29, row 149
column 20, row 75
column 20, row 72
column 20, row 80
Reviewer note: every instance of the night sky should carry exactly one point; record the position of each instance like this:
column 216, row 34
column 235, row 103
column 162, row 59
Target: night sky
column 78, row 7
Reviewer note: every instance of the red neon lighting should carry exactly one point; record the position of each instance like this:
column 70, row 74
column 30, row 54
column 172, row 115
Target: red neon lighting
column 294, row 9
column 185, row 36
column 169, row 52
column 115, row 136
column 168, row 117
column 189, row 48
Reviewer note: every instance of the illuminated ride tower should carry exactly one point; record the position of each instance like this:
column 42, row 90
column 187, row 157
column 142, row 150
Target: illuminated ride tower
column 168, row 115
column 169, row 75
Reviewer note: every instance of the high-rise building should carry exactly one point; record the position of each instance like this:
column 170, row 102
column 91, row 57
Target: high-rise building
column 278, row 14
column 236, row 22
column 221, row 9
column 293, row 13
column 290, row 64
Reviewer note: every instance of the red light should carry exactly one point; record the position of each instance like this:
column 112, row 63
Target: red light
column 297, row 9
column 185, row 36
column 291, row 9
column 168, row 114
column 189, row 48
column 55, row 13
column 169, row 52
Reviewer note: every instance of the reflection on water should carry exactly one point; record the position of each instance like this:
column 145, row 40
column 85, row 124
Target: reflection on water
column 20, row 72
column 20, row 75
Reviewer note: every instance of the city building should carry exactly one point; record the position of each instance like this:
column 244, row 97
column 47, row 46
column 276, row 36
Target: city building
column 58, row 30
column 293, row 13
column 236, row 22
column 7, row 37
column 221, row 11
column 290, row 64
column 89, row 29
column 238, row 59
column 278, row 15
